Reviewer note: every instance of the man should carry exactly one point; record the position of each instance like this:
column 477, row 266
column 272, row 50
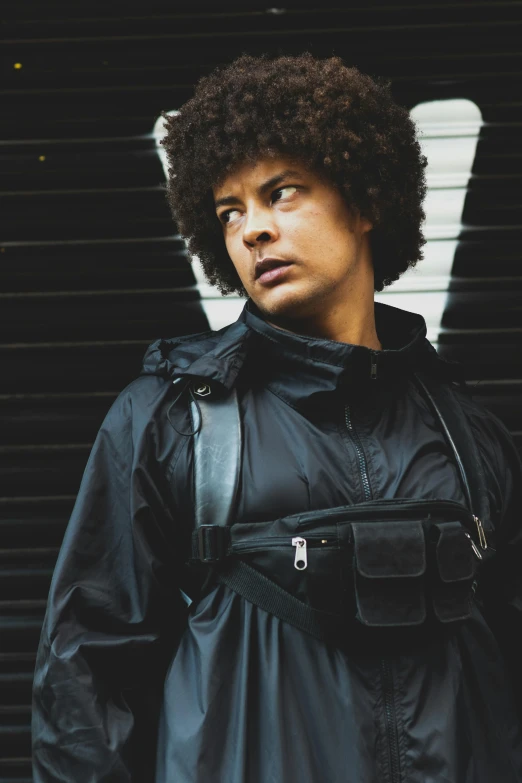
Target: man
column 299, row 182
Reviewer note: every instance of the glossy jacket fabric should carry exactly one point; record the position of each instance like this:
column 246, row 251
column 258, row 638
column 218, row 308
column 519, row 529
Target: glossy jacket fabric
column 130, row 686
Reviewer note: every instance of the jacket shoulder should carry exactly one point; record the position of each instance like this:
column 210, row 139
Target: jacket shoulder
column 136, row 425
column 498, row 452
column 140, row 395
column 483, row 421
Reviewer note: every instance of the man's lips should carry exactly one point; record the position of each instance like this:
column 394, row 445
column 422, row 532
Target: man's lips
column 275, row 274
column 266, row 265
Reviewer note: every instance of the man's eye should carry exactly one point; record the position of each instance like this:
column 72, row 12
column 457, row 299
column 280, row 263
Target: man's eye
column 282, row 190
column 225, row 216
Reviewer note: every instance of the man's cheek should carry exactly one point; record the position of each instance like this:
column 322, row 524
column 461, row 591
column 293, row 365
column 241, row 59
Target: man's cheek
column 236, row 255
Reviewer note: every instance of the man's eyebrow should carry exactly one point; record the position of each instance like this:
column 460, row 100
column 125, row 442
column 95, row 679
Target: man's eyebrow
column 267, row 185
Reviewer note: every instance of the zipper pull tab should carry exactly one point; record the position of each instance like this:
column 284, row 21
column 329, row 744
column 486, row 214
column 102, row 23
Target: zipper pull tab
column 301, row 559
column 474, row 547
column 373, row 370
column 481, row 533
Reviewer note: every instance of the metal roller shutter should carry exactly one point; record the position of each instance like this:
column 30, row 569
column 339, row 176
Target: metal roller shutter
column 92, row 270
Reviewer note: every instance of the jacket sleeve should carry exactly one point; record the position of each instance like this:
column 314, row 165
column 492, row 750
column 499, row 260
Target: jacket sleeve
column 113, row 619
column 501, row 589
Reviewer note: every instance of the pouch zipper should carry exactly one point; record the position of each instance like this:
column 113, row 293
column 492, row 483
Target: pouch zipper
column 390, row 717
column 301, row 556
column 282, row 542
column 363, row 468
column 312, row 540
column 400, row 506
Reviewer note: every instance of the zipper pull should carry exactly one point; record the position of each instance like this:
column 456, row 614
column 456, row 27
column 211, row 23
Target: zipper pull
column 301, row 560
column 373, row 370
column 481, row 534
column 474, row 547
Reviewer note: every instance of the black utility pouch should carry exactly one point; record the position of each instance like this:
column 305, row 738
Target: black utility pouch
column 390, row 572
column 453, row 573
column 381, row 564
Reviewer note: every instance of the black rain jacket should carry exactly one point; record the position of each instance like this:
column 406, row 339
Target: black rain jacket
column 132, row 686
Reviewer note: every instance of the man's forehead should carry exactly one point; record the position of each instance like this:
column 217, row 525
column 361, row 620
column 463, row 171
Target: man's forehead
column 257, row 173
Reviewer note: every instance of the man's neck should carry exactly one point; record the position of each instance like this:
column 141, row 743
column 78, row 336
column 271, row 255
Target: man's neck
column 343, row 327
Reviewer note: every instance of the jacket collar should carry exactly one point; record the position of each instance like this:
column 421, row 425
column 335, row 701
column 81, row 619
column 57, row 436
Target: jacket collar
column 297, row 367
column 300, row 369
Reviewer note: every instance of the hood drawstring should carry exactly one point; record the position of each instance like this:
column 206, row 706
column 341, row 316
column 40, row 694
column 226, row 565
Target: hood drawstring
column 182, row 390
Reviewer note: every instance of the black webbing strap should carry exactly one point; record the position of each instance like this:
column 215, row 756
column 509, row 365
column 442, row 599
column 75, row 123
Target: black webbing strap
column 217, row 463
column 267, row 595
column 447, row 409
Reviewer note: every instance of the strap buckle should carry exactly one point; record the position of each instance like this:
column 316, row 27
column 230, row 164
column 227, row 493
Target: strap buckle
column 211, row 543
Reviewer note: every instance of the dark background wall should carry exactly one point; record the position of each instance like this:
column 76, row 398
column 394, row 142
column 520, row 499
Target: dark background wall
column 91, row 269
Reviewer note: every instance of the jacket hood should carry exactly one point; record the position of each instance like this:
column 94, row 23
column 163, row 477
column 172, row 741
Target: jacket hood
column 294, row 365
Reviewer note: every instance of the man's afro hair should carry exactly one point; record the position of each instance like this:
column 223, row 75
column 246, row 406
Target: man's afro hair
column 335, row 119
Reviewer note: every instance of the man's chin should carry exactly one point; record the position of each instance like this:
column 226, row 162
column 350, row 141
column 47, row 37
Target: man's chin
column 285, row 306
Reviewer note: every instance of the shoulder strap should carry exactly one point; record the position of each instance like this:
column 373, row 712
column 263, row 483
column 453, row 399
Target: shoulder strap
column 217, row 463
column 457, row 431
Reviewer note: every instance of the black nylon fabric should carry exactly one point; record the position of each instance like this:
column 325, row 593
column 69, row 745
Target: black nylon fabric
column 130, row 687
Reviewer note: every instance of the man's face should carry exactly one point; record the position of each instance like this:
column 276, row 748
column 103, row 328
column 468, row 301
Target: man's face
column 278, row 209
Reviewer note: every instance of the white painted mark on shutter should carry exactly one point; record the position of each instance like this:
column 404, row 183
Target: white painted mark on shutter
column 448, row 134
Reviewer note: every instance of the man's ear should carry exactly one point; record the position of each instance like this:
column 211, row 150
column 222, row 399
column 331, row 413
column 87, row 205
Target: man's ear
column 365, row 224
column 358, row 222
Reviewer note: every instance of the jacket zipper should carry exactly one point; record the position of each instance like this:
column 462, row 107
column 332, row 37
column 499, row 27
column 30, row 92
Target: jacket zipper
column 373, row 367
column 363, row 468
column 386, row 670
column 390, row 717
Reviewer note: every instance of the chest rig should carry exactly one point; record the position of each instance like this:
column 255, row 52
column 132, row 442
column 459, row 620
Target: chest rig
column 380, row 564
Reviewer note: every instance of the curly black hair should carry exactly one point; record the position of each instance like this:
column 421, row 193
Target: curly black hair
column 336, row 120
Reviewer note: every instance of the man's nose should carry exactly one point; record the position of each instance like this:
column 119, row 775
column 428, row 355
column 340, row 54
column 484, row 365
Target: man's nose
column 259, row 227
